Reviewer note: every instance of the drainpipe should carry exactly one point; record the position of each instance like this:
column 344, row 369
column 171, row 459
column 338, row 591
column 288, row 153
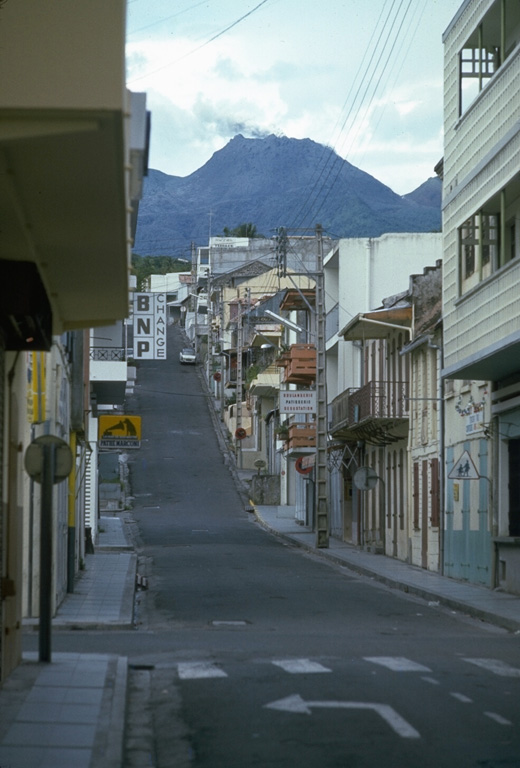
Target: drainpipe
column 71, row 519
column 440, row 351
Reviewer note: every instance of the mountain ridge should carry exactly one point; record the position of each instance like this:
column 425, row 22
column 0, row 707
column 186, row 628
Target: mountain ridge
column 274, row 182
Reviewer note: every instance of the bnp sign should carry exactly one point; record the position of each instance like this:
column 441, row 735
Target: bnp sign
column 150, row 326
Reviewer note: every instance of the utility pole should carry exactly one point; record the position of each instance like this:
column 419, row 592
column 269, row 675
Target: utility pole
column 240, row 341
column 322, row 509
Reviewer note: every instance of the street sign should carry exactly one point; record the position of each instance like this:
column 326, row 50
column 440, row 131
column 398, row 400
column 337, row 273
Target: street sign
column 119, row 431
column 298, row 401
column 365, row 478
column 34, row 458
column 464, row 469
column 150, row 326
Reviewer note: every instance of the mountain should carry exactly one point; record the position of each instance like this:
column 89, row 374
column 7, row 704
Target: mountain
column 276, row 182
column 428, row 194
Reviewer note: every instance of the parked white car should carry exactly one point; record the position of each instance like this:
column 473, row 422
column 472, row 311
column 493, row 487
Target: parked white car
column 188, row 355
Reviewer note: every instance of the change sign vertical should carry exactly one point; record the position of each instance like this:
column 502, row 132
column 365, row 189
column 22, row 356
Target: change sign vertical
column 150, row 326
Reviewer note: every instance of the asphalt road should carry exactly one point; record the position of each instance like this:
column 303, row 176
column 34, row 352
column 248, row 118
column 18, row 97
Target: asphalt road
column 255, row 653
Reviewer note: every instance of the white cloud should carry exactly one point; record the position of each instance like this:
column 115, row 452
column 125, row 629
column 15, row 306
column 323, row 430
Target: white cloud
column 292, row 68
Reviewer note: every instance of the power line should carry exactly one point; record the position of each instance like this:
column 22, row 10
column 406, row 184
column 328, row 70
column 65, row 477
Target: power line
column 207, row 42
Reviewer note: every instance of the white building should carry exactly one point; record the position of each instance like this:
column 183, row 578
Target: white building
column 481, row 213
column 359, row 273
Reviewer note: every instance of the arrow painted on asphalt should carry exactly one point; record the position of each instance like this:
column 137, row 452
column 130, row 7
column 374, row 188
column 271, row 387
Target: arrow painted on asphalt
column 297, row 705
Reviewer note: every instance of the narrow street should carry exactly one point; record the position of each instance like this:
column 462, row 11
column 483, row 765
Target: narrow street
column 248, row 651
column 258, row 654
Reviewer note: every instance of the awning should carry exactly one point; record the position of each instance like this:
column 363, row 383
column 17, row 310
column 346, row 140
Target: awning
column 377, row 324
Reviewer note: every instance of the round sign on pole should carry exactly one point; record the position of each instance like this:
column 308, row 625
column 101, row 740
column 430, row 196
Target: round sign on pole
column 298, row 465
column 365, row 478
column 62, row 458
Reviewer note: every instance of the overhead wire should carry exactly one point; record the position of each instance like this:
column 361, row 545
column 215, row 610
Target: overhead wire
column 348, row 104
column 163, row 19
column 396, row 67
column 339, row 165
column 369, row 79
column 198, row 48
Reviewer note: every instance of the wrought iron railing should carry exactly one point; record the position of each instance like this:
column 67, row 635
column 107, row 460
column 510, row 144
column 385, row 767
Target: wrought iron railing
column 340, row 414
column 379, row 400
column 375, row 400
column 110, row 354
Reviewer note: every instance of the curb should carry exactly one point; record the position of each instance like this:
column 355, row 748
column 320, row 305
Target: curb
column 448, row 602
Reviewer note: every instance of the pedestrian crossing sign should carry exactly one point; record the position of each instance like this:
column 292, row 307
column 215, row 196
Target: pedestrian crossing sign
column 464, row 469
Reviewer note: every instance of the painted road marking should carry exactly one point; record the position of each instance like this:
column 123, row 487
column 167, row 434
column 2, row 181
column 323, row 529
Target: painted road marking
column 240, row 623
column 498, row 718
column 300, row 666
column 496, row 667
column 297, row 705
column 461, row 697
column 397, row 663
column 197, row 670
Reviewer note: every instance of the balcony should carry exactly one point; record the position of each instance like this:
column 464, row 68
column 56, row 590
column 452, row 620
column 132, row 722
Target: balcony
column 299, row 364
column 376, row 413
column 266, row 382
column 301, row 435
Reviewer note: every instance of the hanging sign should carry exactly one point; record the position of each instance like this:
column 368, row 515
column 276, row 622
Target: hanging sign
column 119, row 431
column 149, row 326
column 298, row 401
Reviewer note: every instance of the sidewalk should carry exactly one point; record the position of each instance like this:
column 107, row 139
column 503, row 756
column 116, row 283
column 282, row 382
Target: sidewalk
column 498, row 608
column 71, row 712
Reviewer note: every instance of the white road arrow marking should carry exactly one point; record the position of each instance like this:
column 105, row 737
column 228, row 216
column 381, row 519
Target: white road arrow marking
column 297, row 705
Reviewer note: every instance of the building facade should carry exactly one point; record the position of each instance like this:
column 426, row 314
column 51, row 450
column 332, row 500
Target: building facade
column 481, row 215
column 67, row 182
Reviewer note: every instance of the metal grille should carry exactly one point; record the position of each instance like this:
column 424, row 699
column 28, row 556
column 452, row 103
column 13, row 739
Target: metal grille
column 107, row 353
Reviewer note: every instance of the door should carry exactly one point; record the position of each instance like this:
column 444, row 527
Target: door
column 514, row 487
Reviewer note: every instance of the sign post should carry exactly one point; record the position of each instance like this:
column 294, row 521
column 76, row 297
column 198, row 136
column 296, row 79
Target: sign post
column 48, row 460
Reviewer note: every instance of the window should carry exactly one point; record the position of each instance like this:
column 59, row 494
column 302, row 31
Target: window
column 477, row 65
column 479, row 248
column 468, row 242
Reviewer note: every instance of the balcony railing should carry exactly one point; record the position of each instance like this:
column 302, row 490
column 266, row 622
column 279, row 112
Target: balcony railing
column 379, row 400
column 299, row 364
column 108, row 354
column 302, row 435
column 340, row 408
column 376, row 401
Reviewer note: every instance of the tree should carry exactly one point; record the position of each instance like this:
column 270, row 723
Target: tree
column 243, row 230
column 144, row 266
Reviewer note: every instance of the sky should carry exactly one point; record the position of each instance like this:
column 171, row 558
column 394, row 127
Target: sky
column 363, row 77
